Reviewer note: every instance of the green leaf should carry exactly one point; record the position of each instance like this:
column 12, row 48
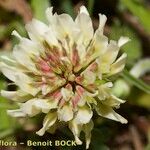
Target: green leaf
column 143, row 100
column 2, row 84
column 39, row 7
column 99, row 138
column 147, row 147
column 6, row 122
column 100, row 147
column 90, row 6
column 5, row 31
column 67, row 6
column 139, row 11
column 6, row 133
column 136, row 82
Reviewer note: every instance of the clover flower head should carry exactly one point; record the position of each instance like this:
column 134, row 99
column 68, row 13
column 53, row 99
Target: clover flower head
column 64, row 70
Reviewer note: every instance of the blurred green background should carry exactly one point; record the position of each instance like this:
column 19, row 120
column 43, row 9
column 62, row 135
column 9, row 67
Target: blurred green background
column 125, row 18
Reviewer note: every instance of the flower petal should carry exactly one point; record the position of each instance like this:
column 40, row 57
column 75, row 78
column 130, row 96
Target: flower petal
column 36, row 29
column 119, row 65
column 8, row 59
column 83, row 20
column 111, row 53
column 16, row 113
column 51, row 40
column 113, row 101
column 87, row 128
column 104, row 90
column 19, row 95
column 83, row 9
column 65, row 29
column 35, row 106
column 100, row 44
column 66, row 93
column 122, row 41
column 89, row 77
column 108, row 112
column 76, row 129
column 15, row 33
column 50, row 17
column 13, row 73
column 102, row 21
column 24, row 58
column 84, row 115
column 65, row 113
column 20, row 79
column 49, row 121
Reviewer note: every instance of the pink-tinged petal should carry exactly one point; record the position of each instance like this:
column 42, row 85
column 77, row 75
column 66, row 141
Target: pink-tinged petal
column 80, row 90
column 44, row 66
column 53, row 54
column 79, row 100
column 56, row 95
column 54, row 61
column 68, row 86
column 75, row 57
column 93, row 67
column 62, row 102
column 89, row 77
column 79, row 79
column 91, row 87
column 75, row 100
